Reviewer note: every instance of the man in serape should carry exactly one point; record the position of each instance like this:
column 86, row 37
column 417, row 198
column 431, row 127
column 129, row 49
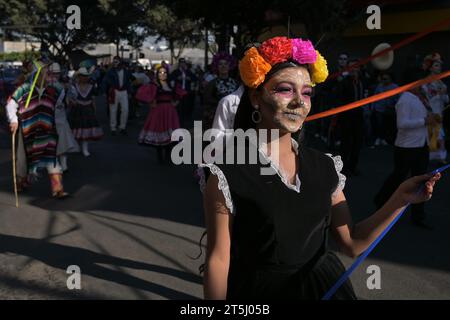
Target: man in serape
column 34, row 121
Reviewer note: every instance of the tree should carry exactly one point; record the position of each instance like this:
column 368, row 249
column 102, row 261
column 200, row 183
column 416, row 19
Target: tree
column 122, row 20
column 251, row 18
column 179, row 32
column 101, row 20
column 46, row 21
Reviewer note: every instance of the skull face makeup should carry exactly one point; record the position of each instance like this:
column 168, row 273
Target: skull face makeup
column 285, row 99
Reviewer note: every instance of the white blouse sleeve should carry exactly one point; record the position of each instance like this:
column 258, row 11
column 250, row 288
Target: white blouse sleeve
column 11, row 111
column 223, row 183
column 338, row 164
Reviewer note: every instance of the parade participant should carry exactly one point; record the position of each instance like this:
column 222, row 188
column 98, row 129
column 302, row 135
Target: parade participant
column 351, row 122
column 437, row 95
column 411, row 153
column 267, row 234
column 27, row 69
column 166, row 65
column 139, row 78
column 380, row 107
column 162, row 119
column 82, row 118
column 330, row 90
column 226, row 110
column 219, row 87
column 116, row 84
column 66, row 141
column 184, row 79
column 31, row 114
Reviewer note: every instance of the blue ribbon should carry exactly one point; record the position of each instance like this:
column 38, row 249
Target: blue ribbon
column 361, row 258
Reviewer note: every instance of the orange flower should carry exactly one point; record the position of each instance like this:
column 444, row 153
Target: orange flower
column 253, row 68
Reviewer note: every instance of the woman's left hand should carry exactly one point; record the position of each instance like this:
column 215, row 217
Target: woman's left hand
column 408, row 191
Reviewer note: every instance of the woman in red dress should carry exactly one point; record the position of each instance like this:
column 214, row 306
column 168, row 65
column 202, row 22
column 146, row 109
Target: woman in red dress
column 162, row 119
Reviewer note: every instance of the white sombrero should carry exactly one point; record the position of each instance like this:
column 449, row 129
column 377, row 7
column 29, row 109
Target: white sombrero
column 55, row 68
column 83, row 72
column 385, row 61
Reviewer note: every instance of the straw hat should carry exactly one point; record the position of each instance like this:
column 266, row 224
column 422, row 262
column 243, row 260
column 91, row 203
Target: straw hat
column 385, row 61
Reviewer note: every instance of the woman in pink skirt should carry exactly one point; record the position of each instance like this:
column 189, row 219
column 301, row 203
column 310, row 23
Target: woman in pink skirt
column 162, row 119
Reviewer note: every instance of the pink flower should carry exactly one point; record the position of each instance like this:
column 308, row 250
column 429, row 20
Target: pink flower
column 303, row 51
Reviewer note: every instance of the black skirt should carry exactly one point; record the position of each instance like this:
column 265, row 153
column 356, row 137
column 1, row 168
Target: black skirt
column 84, row 123
column 310, row 282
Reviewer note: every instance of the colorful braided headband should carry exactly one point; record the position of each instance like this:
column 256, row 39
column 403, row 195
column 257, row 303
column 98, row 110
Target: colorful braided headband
column 257, row 62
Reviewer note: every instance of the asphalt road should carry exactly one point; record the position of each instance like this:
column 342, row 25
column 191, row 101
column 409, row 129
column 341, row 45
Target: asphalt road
column 132, row 225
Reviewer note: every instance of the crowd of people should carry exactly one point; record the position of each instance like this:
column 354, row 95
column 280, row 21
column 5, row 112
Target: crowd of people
column 53, row 111
column 415, row 122
column 168, row 95
column 376, row 124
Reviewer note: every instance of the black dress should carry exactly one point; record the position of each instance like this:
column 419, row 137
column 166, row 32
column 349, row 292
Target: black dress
column 279, row 235
column 82, row 118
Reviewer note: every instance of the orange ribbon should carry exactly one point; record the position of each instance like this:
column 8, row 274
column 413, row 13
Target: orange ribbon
column 378, row 97
column 400, row 44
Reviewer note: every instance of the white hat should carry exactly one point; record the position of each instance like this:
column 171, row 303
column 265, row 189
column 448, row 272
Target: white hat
column 54, row 68
column 83, row 72
column 385, row 61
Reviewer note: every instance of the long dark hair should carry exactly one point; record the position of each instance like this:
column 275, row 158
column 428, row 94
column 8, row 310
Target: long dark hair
column 158, row 82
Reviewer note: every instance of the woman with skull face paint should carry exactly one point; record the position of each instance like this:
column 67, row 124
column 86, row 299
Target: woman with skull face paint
column 267, row 234
column 162, row 120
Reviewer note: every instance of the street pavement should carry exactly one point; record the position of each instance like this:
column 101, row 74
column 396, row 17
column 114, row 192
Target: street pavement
column 133, row 227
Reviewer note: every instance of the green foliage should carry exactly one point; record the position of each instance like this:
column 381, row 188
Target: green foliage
column 161, row 20
column 180, row 22
column 101, row 20
column 18, row 56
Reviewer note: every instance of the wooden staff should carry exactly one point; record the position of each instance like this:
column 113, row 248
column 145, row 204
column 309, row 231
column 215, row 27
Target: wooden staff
column 14, row 167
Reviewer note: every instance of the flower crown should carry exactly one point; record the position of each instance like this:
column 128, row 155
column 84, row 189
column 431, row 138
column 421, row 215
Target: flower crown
column 257, row 62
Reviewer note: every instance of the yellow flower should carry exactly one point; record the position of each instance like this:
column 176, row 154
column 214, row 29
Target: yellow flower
column 253, row 68
column 319, row 69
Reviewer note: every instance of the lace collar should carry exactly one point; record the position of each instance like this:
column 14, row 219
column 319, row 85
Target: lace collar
column 281, row 174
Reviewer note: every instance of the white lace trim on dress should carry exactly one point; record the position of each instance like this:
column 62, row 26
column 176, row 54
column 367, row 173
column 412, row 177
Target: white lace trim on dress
column 279, row 172
column 223, row 184
column 338, row 164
